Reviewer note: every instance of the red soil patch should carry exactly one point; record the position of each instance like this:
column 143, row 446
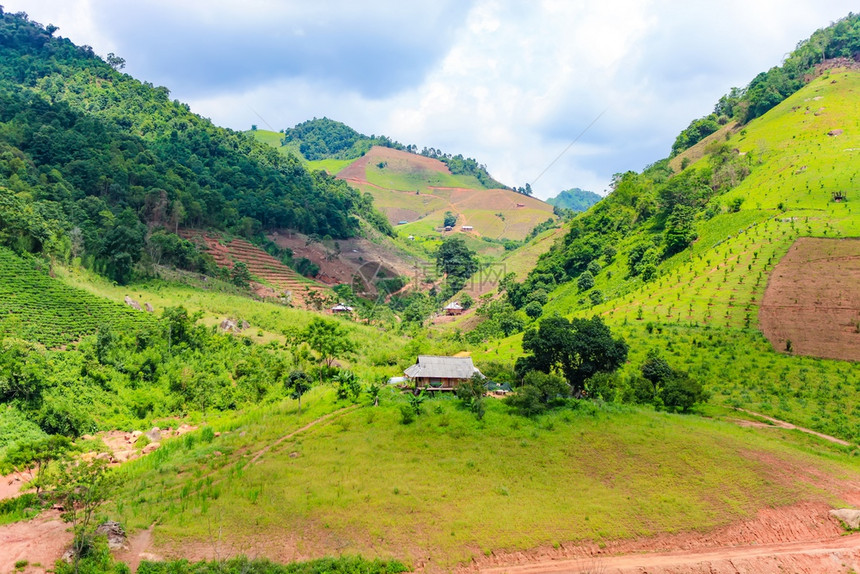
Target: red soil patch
column 260, row 264
column 39, row 541
column 813, row 299
column 358, row 256
column 401, row 161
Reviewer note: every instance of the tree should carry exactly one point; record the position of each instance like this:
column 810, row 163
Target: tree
column 348, row 385
column 578, row 349
column 239, row 275
column 37, row 453
column 679, row 232
column 538, row 392
column 81, row 487
column 666, row 386
column 533, row 309
column 585, row 281
column 450, row 219
column 472, row 392
column 122, row 245
column 457, row 261
column 297, row 384
column 328, row 339
column 115, row 61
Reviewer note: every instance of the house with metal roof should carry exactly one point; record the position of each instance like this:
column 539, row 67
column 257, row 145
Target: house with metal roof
column 453, row 308
column 435, row 373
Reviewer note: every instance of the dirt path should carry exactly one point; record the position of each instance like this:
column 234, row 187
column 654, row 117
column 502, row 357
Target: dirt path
column 788, row 426
column 840, row 554
column 40, row 542
column 313, row 423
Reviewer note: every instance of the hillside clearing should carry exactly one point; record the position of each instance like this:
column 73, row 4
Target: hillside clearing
column 447, row 488
column 813, row 299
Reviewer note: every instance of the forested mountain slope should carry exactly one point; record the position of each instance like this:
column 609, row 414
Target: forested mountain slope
column 109, row 167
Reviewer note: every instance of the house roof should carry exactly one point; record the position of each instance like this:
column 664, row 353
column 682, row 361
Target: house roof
column 454, row 305
column 442, row 367
column 341, row 307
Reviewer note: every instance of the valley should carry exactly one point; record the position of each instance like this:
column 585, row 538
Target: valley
column 206, row 336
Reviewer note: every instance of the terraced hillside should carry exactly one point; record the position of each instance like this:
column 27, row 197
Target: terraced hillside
column 261, row 265
column 37, row 307
column 414, row 192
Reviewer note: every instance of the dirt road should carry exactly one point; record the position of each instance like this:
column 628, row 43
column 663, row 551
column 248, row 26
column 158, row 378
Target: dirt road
column 840, row 554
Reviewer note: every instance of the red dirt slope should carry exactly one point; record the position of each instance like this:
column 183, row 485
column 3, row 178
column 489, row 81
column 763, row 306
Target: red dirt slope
column 261, row 265
column 813, row 299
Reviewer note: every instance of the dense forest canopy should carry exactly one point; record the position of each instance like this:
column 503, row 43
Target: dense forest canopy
column 102, row 160
column 574, row 199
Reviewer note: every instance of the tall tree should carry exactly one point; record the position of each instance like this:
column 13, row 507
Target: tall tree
column 578, row 349
column 456, row 261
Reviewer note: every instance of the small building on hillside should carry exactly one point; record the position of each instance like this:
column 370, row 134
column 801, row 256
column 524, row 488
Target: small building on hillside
column 466, row 228
column 453, row 308
column 434, row 373
column 341, row 308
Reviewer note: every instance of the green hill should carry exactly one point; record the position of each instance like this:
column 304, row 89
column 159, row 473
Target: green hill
column 302, row 448
column 101, row 158
column 415, row 191
column 323, row 139
column 681, row 262
column 574, row 199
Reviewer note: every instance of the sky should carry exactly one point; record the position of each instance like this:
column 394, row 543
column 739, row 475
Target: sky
column 554, row 93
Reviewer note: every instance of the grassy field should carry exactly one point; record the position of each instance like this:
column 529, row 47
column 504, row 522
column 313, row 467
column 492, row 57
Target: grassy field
column 269, row 321
column 331, row 166
column 448, row 487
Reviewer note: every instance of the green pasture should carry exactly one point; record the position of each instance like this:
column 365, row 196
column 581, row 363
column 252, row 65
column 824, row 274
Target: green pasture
column 447, row 486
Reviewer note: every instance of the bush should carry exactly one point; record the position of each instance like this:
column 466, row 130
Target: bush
column 680, row 392
column 407, row 414
column 533, row 309
column 585, row 281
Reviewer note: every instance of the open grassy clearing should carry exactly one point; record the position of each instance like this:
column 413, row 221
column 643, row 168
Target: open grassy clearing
column 448, row 487
column 330, row 166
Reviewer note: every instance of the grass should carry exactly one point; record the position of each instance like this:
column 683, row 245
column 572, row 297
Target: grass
column 374, row 355
column 447, row 486
column 23, row 507
column 331, row 166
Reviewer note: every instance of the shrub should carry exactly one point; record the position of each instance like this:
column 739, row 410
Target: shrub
column 533, row 309
column 585, row 281
column 407, row 414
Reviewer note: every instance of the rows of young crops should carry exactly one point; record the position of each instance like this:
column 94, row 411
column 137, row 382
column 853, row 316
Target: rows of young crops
column 37, row 307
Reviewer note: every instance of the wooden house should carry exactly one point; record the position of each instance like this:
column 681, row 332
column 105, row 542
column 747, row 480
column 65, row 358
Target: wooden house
column 453, row 308
column 434, row 373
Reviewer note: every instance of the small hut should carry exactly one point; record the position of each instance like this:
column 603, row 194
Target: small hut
column 453, row 308
column 435, row 373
